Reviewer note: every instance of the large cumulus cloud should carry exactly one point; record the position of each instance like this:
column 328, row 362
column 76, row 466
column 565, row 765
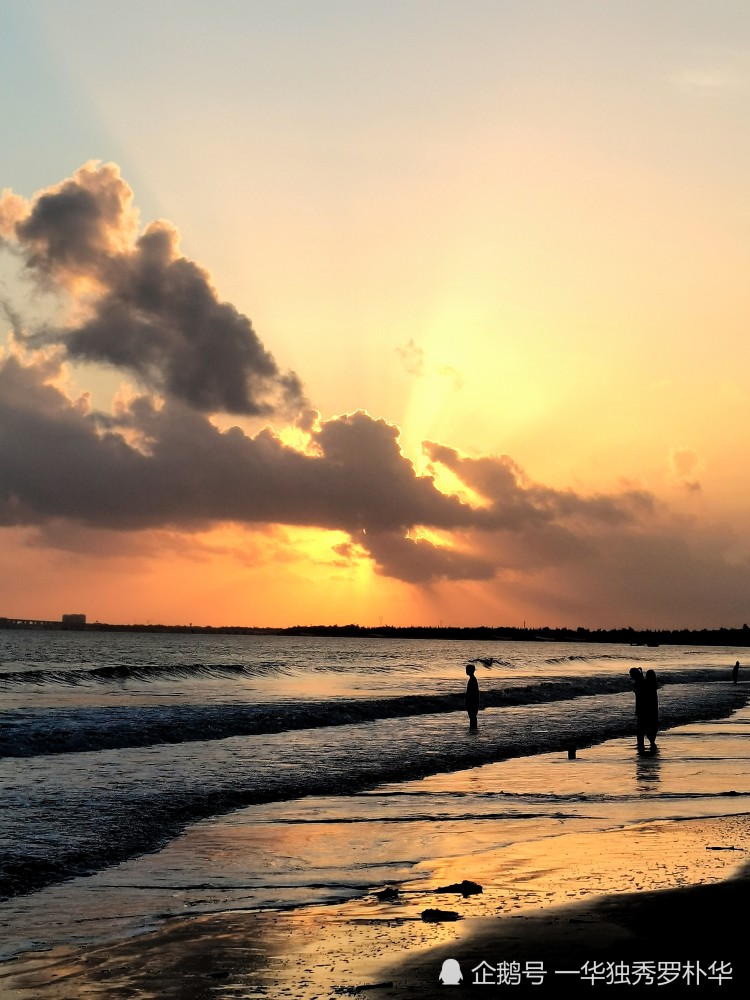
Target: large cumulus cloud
column 150, row 310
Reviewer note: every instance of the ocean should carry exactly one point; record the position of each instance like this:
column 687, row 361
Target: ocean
column 127, row 759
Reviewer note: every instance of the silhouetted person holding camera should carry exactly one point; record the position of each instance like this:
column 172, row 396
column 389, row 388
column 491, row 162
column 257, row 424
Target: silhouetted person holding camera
column 646, row 707
column 472, row 696
column 651, row 709
column 639, row 682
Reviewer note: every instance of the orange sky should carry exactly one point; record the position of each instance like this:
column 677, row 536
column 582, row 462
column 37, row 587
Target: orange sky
column 503, row 251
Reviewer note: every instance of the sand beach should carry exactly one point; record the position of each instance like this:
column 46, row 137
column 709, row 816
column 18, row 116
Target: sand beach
column 651, row 893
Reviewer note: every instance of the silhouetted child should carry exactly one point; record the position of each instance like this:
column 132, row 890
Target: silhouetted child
column 472, row 696
column 650, row 708
column 736, row 671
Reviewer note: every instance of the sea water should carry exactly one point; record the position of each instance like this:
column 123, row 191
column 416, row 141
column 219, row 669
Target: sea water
column 179, row 766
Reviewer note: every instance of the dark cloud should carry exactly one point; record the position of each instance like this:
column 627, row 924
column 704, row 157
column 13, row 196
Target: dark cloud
column 151, row 312
column 54, row 462
column 78, row 228
column 675, row 575
column 378, row 484
column 418, row 560
column 165, row 466
column 515, row 503
column 161, row 320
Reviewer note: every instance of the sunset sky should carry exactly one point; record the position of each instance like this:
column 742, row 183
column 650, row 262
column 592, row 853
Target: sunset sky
column 373, row 311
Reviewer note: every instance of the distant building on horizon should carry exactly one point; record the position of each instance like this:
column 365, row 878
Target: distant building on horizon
column 73, row 621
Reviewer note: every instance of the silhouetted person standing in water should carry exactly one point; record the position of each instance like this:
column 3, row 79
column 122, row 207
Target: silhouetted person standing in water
column 736, row 671
column 472, row 696
column 639, row 683
column 651, row 708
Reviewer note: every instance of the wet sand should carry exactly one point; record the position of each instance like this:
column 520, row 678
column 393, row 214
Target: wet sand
column 357, row 947
column 562, row 892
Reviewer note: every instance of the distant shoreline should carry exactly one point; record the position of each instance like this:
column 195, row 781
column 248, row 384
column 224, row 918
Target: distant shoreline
column 484, row 633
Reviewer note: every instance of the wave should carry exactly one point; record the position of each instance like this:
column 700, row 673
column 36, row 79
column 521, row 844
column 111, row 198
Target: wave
column 434, row 817
column 147, row 672
column 30, row 732
column 564, row 798
column 172, row 672
column 593, row 658
column 77, row 814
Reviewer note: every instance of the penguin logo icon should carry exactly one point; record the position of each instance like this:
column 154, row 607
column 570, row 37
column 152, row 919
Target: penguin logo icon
column 450, row 974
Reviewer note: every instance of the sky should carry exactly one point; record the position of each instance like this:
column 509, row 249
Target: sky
column 407, row 313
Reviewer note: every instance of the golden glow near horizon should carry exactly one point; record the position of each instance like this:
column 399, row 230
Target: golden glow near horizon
column 515, row 231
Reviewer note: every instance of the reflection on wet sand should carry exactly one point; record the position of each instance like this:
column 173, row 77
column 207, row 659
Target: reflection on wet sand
column 647, row 770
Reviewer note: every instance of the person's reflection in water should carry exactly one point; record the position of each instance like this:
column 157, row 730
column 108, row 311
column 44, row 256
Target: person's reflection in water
column 647, row 768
